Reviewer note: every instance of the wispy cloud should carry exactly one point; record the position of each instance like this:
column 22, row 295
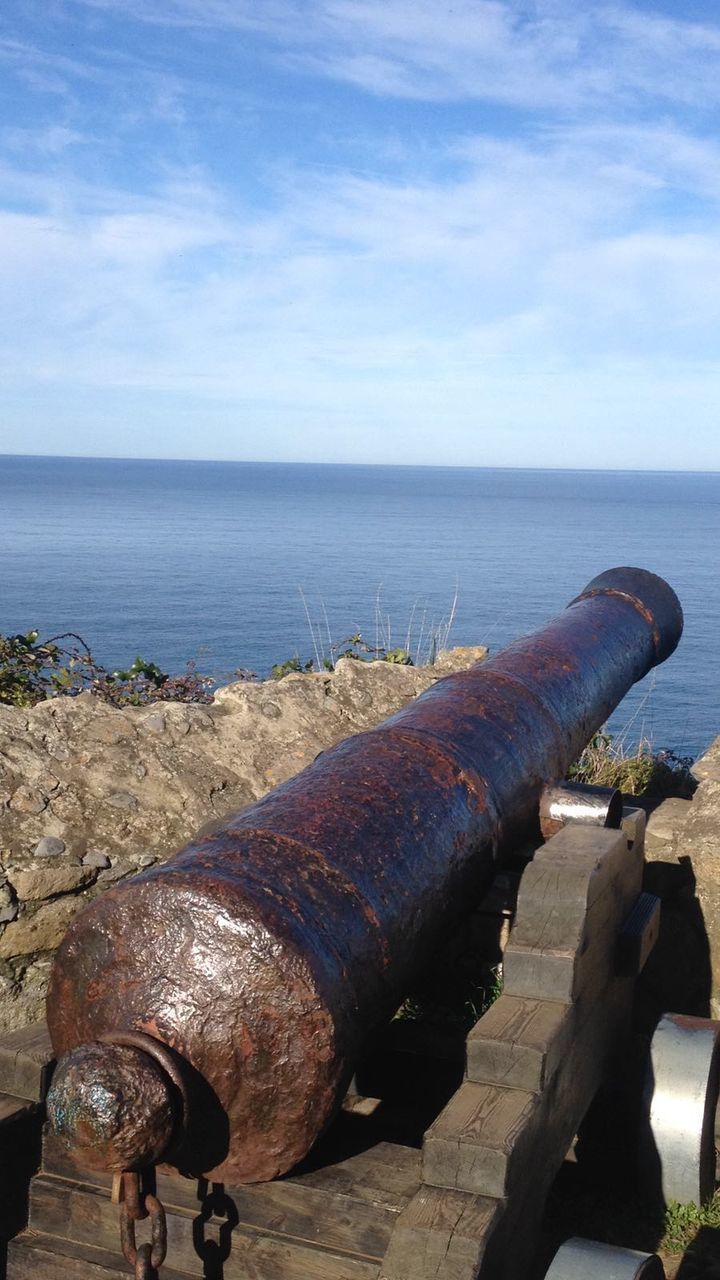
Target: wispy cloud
column 530, row 255
column 530, row 275
column 51, row 140
column 548, row 54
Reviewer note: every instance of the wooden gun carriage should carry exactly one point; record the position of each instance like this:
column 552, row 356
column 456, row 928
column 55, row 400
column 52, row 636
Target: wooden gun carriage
column 217, row 1018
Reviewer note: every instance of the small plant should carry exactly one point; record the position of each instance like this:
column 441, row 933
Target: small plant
column 32, row 670
column 642, row 772
column 456, row 994
column 422, row 642
column 400, row 656
column 356, row 647
column 684, row 1221
column 352, row 647
column 144, row 682
column 281, row 669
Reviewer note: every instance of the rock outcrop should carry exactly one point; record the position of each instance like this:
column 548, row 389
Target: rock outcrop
column 682, row 851
column 90, row 793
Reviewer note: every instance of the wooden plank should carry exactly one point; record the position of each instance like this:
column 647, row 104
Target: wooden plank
column 564, row 880
column 519, row 1042
column 26, row 1061
column 86, row 1216
column 13, row 1108
column 64, row 1208
column 537, row 974
column 490, row 1146
column 491, row 1137
column 353, row 1207
column 472, row 1143
column 393, row 1154
column 582, row 846
column 442, row 1235
column 354, row 1203
column 576, row 968
column 34, row 1256
column 570, row 892
column 335, row 1220
column 634, row 823
column 363, row 1177
column 552, row 902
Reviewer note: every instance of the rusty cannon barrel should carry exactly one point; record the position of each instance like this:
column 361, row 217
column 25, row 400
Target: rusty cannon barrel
column 208, row 1013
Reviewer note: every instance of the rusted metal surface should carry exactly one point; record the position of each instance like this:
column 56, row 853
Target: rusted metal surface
column 114, row 1105
column 263, row 954
column 144, row 1259
column 566, row 802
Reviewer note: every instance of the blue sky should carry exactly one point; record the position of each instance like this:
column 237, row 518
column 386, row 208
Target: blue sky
column 476, row 233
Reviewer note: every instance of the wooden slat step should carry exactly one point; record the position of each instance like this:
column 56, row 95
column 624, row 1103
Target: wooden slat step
column 12, row 1109
column 442, row 1235
column 388, row 1175
column 26, row 1062
column 520, row 1043
column 35, row 1256
column 85, row 1215
column 351, row 1206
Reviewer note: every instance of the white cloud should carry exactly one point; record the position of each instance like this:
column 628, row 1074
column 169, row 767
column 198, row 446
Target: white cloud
column 513, row 286
column 520, row 260
column 555, row 55
column 51, row 140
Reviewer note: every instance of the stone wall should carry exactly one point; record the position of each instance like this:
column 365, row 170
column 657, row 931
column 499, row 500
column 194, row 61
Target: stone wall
column 90, row 794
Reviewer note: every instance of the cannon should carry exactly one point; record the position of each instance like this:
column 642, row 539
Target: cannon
column 208, row 1013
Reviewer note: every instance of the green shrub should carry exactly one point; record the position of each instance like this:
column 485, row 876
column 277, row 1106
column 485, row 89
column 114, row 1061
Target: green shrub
column 642, row 772
column 32, row 670
column 281, row 669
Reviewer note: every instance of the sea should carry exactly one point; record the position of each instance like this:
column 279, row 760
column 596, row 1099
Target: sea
column 237, row 566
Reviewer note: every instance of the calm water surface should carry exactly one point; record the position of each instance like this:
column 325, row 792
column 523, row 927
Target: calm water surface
column 178, row 560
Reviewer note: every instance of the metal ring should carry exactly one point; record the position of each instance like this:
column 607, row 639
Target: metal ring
column 162, row 1055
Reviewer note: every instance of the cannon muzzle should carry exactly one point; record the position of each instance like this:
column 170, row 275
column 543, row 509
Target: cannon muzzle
column 210, row 1011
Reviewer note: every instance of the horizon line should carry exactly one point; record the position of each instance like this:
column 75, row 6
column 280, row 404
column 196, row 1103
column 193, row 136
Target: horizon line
column 398, row 466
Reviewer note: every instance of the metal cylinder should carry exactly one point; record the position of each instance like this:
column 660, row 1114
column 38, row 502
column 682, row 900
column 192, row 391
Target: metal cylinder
column 593, row 1261
column 567, row 802
column 263, row 954
column 681, row 1091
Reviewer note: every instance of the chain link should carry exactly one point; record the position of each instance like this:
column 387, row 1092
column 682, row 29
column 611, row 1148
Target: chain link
column 134, row 1207
column 143, row 1265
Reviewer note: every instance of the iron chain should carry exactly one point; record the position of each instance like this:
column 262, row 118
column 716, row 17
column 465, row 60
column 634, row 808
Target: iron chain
column 134, row 1207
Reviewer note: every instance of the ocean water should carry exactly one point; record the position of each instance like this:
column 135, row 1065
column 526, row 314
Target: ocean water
column 207, row 561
